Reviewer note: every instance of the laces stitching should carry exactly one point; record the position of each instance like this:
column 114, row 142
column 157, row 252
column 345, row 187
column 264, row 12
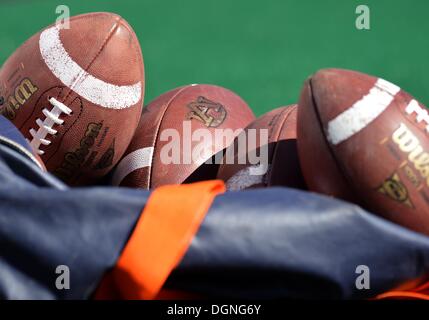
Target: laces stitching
column 45, row 127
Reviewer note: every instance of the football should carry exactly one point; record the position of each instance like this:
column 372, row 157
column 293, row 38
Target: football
column 178, row 132
column 363, row 139
column 76, row 94
column 271, row 141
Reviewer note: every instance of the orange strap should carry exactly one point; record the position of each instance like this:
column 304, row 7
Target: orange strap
column 170, row 220
column 403, row 295
column 419, row 293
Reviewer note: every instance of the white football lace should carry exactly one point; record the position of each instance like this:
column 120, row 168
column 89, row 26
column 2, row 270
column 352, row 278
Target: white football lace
column 45, row 126
column 422, row 114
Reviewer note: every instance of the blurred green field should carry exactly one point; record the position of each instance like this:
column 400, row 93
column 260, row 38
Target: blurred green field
column 263, row 50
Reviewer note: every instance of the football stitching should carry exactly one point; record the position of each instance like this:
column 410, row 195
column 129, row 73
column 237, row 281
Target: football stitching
column 70, row 126
column 52, row 117
column 286, row 113
column 103, row 45
column 77, row 79
column 116, row 178
column 158, row 129
column 342, row 173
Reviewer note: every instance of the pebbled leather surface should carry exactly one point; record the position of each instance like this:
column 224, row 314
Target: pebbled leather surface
column 106, row 48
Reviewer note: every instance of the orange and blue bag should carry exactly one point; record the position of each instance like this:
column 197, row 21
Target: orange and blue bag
column 193, row 241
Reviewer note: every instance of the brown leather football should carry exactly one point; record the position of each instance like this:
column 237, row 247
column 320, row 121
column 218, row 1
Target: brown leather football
column 273, row 135
column 178, row 132
column 76, row 94
column 363, row 139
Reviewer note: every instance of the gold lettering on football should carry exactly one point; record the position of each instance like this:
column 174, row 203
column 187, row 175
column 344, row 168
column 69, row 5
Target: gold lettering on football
column 408, row 143
column 22, row 94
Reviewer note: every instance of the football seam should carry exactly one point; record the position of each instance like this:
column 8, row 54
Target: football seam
column 331, row 152
column 167, row 105
column 103, row 45
column 286, row 114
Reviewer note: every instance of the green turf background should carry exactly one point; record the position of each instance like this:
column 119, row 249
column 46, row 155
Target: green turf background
column 263, row 50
